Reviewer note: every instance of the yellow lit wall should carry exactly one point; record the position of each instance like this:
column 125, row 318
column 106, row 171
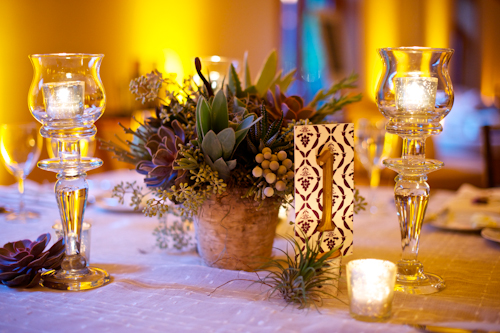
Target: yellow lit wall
column 126, row 31
column 380, row 29
column 490, row 64
column 438, row 20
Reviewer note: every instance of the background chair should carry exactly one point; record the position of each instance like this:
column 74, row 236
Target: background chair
column 491, row 153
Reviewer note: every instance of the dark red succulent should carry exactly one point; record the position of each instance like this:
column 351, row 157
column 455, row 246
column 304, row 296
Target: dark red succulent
column 291, row 107
column 21, row 262
column 163, row 148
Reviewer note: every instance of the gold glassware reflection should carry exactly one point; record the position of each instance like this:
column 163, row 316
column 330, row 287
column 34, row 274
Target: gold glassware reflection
column 20, row 147
column 373, row 144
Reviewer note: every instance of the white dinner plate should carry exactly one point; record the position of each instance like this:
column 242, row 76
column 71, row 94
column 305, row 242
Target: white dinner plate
column 444, row 221
column 491, row 234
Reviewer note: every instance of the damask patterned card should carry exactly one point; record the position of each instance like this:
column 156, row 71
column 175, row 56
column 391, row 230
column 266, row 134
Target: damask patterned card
column 324, row 185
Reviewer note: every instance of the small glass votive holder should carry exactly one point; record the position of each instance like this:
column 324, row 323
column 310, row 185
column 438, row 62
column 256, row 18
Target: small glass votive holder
column 370, row 284
column 85, row 238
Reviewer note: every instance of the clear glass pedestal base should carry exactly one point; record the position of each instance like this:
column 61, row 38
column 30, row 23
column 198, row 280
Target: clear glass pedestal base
column 95, row 278
column 431, row 283
column 411, row 279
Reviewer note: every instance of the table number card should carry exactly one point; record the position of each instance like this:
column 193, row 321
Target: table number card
column 324, row 185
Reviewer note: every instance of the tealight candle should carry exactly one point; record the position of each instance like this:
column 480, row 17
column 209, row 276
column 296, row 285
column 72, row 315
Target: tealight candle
column 64, row 100
column 370, row 284
column 416, row 93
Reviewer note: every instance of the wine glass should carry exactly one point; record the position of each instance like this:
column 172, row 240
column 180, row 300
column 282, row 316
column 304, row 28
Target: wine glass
column 20, row 147
column 372, row 145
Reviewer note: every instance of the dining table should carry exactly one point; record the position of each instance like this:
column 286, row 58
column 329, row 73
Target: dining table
column 154, row 289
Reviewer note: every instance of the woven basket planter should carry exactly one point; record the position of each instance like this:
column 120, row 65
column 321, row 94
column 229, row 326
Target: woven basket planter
column 233, row 234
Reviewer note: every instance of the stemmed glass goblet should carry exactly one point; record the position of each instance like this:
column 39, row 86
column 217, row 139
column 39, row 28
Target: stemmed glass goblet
column 20, row 147
column 372, row 145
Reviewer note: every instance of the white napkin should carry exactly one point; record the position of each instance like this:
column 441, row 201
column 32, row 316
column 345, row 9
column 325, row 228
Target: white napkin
column 474, row 206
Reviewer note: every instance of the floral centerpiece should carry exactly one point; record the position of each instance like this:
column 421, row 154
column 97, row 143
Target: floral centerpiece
column 205, row 150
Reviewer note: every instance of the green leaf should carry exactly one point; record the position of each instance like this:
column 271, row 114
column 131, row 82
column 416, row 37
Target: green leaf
column 198, row 120
column 247, row 79
column 267, row 73
column 247, row 122
column 251, row 90
column 231, row 164
column 240, row 135
column 276, row 80
column 220, row 117
column 227, row 139
column 205, row 118
column 234, row 83
column 221, row 166
column 212, row 146
column 287, row 80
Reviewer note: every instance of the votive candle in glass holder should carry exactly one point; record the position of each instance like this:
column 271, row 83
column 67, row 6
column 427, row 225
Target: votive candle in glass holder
column 370, row 284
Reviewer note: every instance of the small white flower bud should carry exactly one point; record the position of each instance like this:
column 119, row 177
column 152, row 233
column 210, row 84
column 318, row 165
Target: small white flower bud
column 257, row 172
column 282, row 155
column 274, row 165
column 268, row 192
column 270, row 178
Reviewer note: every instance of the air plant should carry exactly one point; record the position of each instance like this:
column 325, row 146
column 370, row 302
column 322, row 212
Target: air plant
column 302, row 278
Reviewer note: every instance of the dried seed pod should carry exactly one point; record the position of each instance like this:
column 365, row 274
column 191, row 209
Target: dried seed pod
column 257, row 172
column 274, row 165
column 282, row 170
column 268, row 192
column 259, row 158
column 267, row 155
column 266, row 150
column 270, row 178
column 280, row 185
column 265, row 164
column 282, row 155
column 288, row 163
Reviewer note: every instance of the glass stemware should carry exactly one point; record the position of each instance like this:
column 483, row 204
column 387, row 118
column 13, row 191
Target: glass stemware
column 372, row 145
column 67, row 97
column 20, row 147
column 414, row 93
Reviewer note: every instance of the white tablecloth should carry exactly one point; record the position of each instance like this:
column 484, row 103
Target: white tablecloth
column 152, row 290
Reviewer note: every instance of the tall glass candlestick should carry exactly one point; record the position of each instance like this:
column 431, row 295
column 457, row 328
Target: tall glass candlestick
column 415, row 93
column 66, row 96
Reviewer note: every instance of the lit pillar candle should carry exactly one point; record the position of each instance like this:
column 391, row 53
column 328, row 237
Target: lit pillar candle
column 370, row 284
column 64, row 100
column 416, row 93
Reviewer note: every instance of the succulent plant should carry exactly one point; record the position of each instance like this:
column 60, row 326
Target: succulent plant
column 163, row 149
column 21, row 261
column 217, row 137
column 292, row 107
column 262, row 134
column 267, row 78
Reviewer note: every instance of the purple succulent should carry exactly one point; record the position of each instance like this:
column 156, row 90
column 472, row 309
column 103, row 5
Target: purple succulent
column 21, row 262
column 291, row 107
column 162, row 147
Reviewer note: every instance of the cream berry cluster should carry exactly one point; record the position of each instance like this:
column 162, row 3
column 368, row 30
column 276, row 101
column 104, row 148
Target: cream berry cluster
column 275, row 169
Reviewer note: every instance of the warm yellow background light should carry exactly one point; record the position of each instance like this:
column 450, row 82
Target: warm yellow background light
column 135, row 36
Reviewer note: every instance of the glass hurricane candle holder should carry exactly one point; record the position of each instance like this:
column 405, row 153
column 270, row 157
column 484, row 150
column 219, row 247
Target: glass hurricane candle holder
column 415, row 93
column 370, row 285
column 67, row 96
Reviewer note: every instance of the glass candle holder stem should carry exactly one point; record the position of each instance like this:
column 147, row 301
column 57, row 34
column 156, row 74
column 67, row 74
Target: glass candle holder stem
column 71, row 194
column 414, row 149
